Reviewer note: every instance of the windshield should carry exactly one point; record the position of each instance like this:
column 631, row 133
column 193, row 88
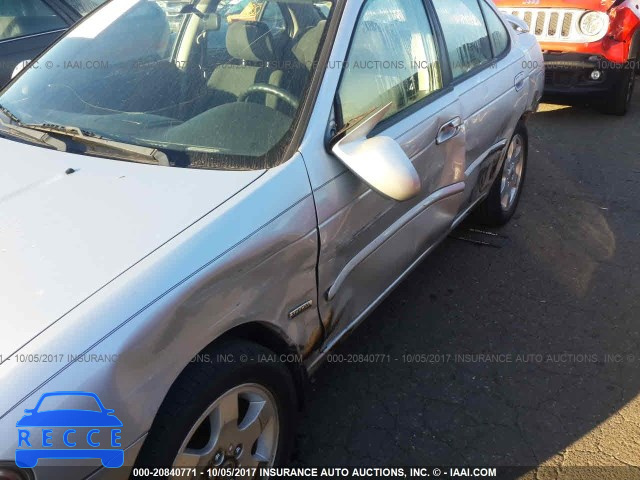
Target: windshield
column 210, row 83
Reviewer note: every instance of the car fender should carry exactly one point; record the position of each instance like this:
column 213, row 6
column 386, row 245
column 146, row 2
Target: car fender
column 158, row 316
column 634, row 49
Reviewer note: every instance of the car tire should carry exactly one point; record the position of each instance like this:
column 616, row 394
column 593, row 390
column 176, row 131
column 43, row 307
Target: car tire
column 496, row 210
column 618, row 99
column 189, row 423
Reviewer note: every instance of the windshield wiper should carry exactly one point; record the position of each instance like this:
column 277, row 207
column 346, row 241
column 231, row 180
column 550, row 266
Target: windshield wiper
column 29, row 134
column 148, row 155
column 9, row 114
column 41, row 133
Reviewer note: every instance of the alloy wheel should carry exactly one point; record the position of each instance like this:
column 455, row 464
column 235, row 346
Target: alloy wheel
column 512, row 172
column 240, row 430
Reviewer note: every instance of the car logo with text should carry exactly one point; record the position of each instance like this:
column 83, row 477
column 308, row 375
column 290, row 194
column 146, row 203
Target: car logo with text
column 51, row 433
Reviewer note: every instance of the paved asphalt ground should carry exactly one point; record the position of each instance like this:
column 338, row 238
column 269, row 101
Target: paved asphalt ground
column 564, row 280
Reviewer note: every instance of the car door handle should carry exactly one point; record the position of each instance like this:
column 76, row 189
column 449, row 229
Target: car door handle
column 519, row 81
column 449, row 130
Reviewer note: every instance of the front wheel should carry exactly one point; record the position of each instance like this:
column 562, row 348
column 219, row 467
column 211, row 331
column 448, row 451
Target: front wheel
column 618, row 99
column 231, row 412
column 501, row 203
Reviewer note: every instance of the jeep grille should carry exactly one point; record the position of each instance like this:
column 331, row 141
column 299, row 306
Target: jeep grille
column 554, row 24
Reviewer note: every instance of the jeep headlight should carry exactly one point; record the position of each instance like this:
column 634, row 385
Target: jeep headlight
column 594, row 24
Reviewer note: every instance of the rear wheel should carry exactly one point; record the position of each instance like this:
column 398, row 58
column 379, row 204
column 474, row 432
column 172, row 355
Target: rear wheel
column 502, row 201
column 237, row 414
column 618, row 100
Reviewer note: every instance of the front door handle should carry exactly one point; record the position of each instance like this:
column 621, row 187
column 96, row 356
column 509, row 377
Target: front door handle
column 518, row 81
column 449, row 130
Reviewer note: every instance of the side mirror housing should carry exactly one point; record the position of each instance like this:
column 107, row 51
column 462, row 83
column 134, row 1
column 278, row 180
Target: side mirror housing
column 379, row 161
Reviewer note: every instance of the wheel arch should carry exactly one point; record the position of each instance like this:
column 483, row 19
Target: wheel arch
column 265, row 335
column 259, row 333
column 634, row 49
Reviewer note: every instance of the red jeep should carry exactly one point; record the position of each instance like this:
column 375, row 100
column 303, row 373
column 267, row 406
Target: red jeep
column 590, row 46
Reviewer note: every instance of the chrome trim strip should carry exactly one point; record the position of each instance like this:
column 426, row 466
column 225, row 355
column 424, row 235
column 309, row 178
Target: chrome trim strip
column 435, row 197
column 496, row 148
column 33, row 35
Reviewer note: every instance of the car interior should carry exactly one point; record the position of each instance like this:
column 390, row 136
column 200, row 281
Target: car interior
column 214, row 72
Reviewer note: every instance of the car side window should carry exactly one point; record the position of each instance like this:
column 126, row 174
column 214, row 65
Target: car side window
column 27, row 17
column 392, row 59
column 465, row 34
column 84, row 7
column 497, row 31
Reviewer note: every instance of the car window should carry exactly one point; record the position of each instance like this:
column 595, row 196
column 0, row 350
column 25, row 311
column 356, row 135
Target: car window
column 272, row 16
column 497, row 31
column 323, row 8
column 213, row 94
column 257, row 10
column 392, row 59
column 83, row 7
column 465, row 34
column 27, row 17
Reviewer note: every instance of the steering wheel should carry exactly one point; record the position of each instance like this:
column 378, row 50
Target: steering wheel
column 281, row 93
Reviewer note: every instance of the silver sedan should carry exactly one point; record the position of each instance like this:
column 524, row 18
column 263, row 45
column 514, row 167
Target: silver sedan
column 196, row 205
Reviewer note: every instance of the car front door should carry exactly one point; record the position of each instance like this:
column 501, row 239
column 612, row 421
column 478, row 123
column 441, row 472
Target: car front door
column 368, row 241
column 27, row 27
column 489, row 79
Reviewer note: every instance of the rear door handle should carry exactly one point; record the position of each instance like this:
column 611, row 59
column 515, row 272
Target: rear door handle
column 449, row 130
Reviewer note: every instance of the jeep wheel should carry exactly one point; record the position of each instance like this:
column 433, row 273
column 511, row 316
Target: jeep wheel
column 226, row 415
column 618, row 100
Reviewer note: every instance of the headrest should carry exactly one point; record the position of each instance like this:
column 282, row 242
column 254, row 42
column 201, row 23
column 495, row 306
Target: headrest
column 250, row 41
column 306, row 48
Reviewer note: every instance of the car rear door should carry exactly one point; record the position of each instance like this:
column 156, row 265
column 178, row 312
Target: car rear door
column 27, row 27
column 368, row 241
column 489, row 79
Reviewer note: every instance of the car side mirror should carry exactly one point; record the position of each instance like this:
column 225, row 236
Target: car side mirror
column 19, row 68
column 378, row 161
column 516, row 23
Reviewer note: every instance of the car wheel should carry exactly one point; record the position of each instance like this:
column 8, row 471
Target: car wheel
column 502, row 201
column 618, row 100
column 229, row 411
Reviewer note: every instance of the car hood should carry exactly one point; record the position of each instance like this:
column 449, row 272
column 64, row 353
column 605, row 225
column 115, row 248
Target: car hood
column 64, row 236
column 600, row 5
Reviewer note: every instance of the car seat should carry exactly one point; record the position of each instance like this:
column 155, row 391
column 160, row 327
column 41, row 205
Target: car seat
column 250, row 44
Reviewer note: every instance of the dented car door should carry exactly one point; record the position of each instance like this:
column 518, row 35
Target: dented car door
column 368, row 241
